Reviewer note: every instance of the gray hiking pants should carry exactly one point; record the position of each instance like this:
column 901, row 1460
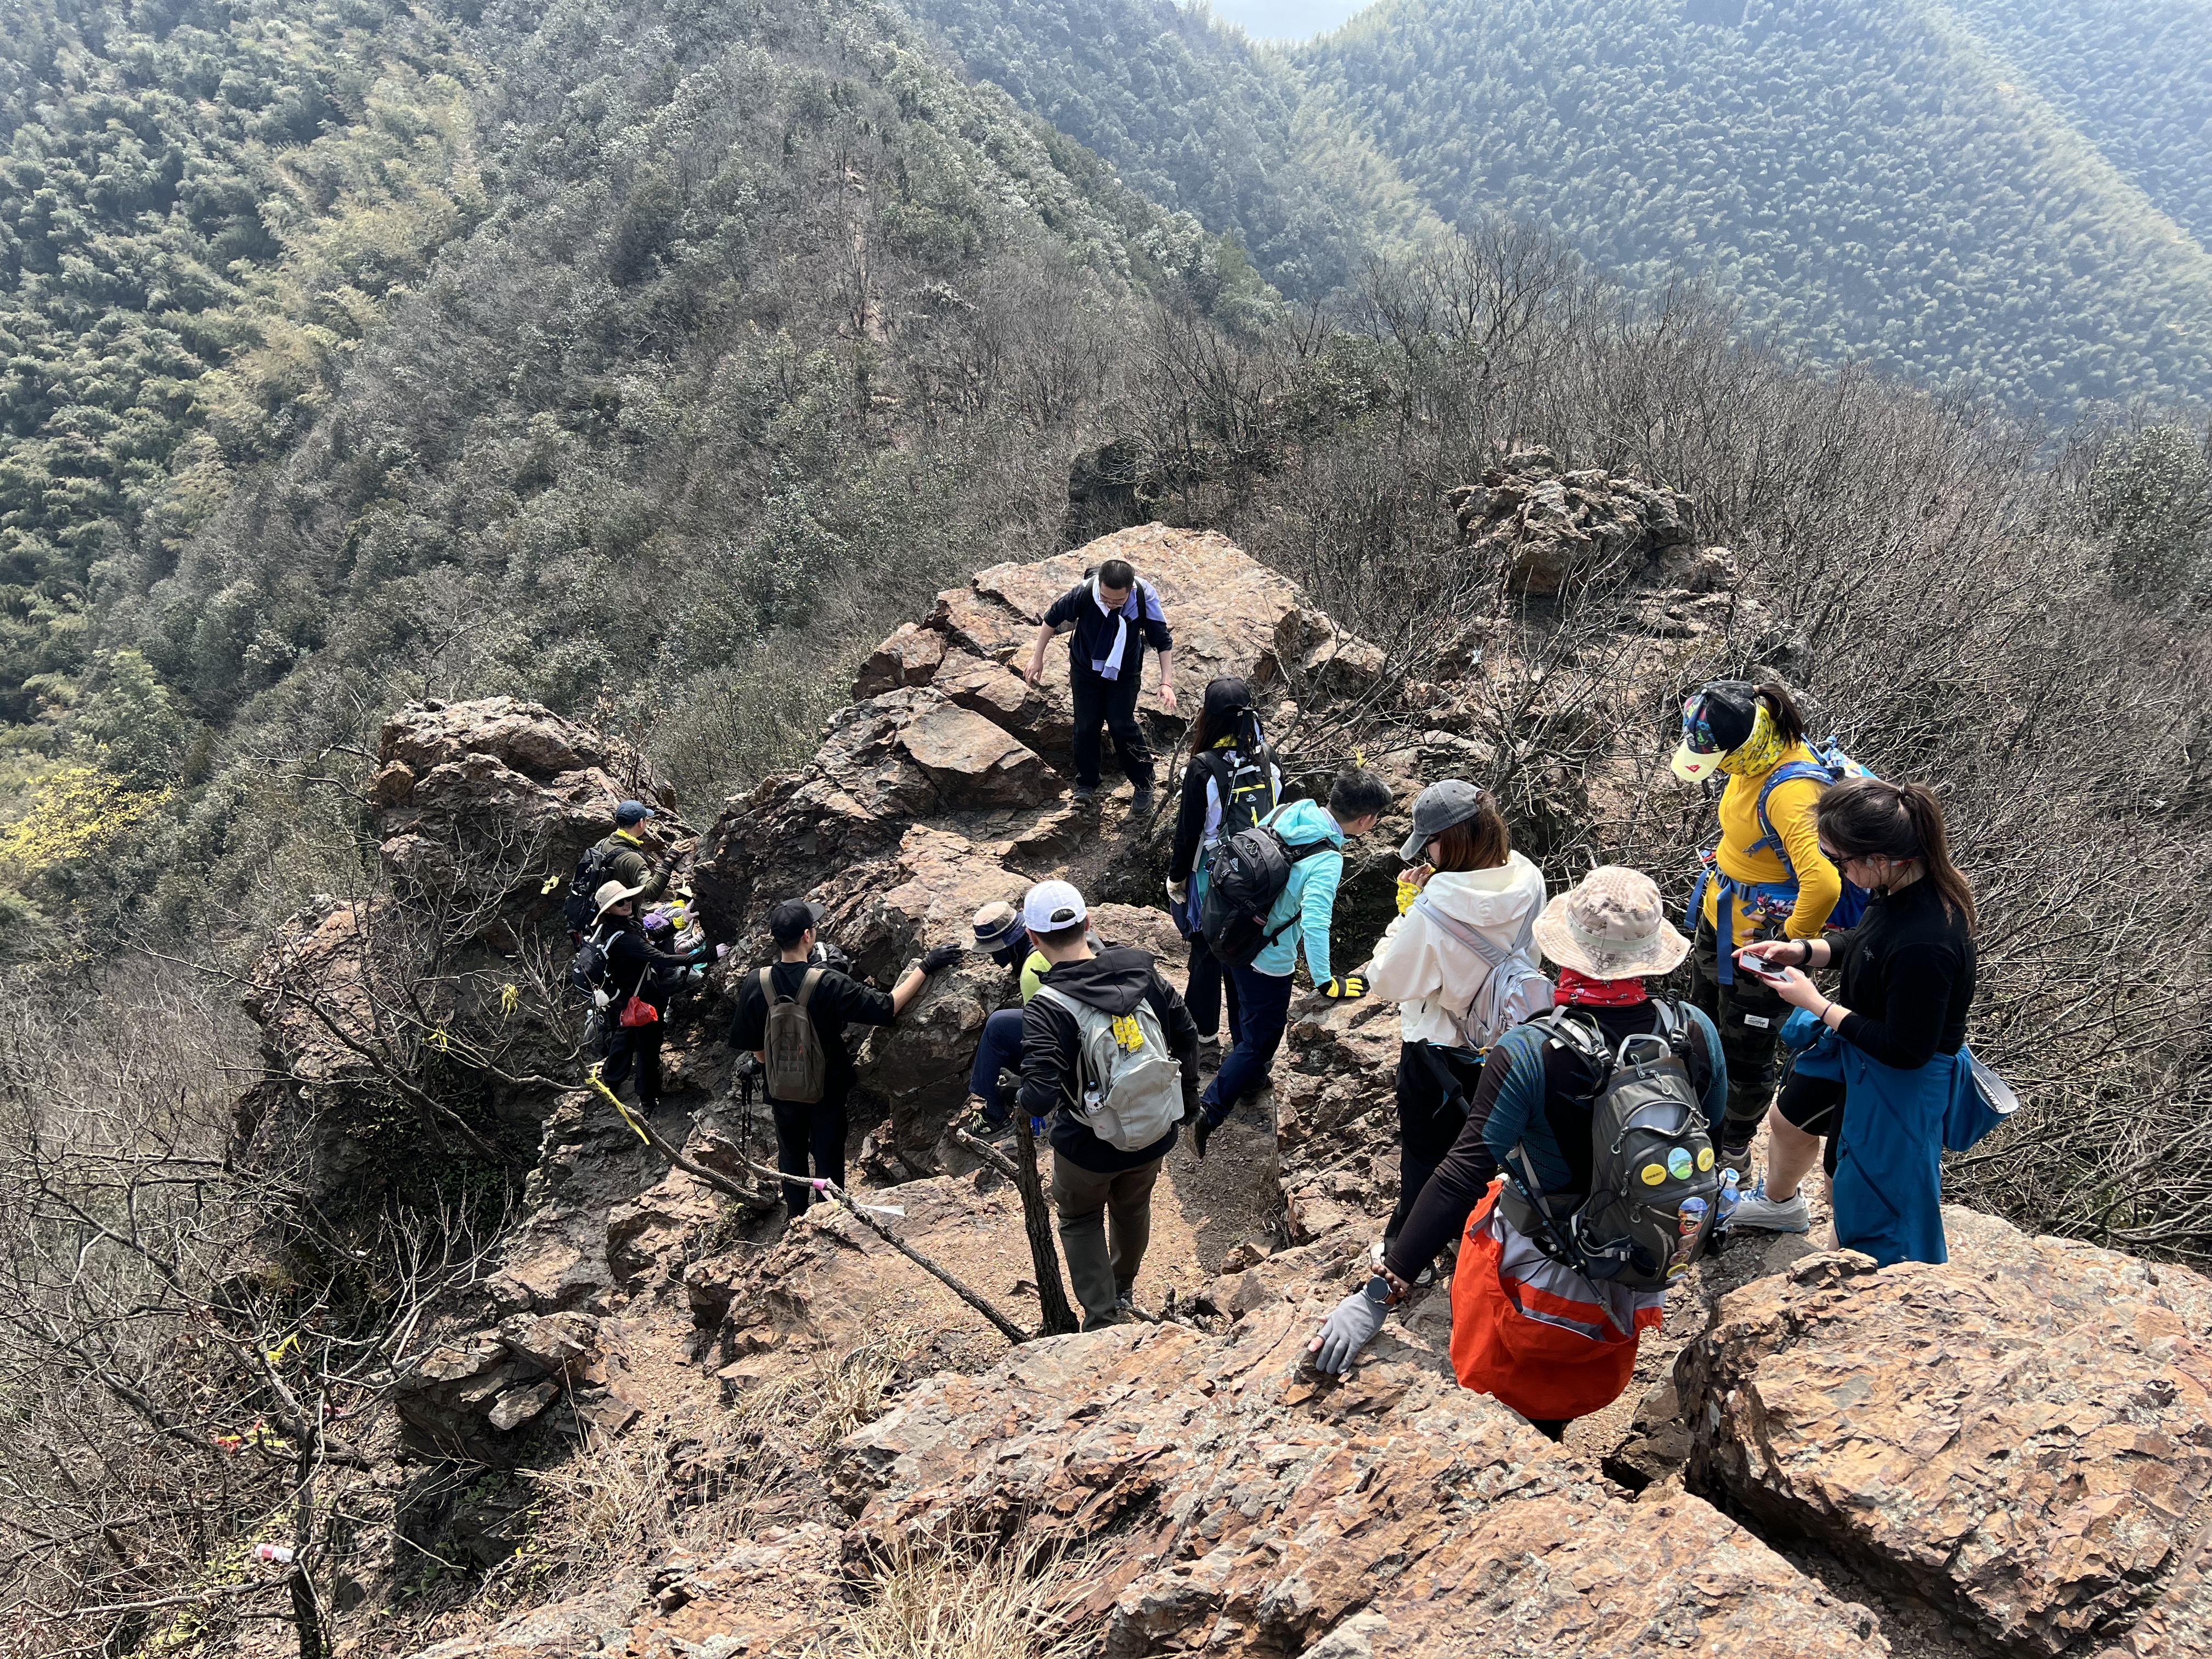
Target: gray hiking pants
column 1084, row 1198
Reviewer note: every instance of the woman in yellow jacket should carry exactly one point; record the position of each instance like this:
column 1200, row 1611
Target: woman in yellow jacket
column 1765, row 879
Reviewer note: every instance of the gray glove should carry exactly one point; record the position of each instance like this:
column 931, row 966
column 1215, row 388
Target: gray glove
column 1350, row 1328
column 697, row 974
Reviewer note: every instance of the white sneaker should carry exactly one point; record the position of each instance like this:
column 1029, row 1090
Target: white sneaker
column 1762, row 1214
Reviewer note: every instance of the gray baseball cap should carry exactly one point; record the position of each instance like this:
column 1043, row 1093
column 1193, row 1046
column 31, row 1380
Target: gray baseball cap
column 1440, row 806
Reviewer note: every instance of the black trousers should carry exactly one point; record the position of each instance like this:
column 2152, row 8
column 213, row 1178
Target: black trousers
column 1435, row 1086
column 1112, row 704
column 637, row 1046
column 1208, row 984
column 1748, row 1016
column 816, row 1132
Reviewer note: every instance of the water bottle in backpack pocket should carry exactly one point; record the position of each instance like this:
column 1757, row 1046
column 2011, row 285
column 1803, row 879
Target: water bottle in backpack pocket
column 1128, row 1086
column 1654, row 1194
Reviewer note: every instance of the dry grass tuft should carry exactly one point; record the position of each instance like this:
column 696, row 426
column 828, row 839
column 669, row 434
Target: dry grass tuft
column 968, row 1599
column 608, row 1503
column 829, row 1398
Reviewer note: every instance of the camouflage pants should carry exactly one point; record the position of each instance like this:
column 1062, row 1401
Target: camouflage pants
column 1748, row 1016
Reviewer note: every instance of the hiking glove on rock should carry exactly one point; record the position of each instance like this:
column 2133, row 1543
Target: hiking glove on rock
column 1345, row 987
column 1348, row 1329
column 939, row 959
column 1179, row 891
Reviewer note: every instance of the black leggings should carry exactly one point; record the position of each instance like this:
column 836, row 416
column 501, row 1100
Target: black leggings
column 1434, row 1087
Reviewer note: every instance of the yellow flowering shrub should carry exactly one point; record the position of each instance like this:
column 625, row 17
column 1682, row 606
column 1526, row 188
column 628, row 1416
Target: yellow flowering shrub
column 77, row 811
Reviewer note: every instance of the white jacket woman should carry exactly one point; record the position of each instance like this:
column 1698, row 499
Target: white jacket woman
column 1469, row 871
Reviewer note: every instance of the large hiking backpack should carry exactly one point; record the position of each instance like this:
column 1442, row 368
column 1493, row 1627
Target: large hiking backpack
column 1243, row 777
column 1655, row 1191
column 580, row 908
column 796, row 1069
column 1128, row 1087
column 1516, row 990
column 1247, row 873
column 587, row 969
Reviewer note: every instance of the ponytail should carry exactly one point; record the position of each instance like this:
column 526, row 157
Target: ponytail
column 1781, row 707
column 1866, row 818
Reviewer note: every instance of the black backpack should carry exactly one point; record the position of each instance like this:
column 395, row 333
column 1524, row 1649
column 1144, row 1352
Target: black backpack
column 1243, row 777
column 580, row 909
column 1247, row 874
column 1655, row 1189
column 587, row 969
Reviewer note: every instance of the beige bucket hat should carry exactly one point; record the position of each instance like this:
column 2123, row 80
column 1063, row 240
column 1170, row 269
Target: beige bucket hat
column 613, row 893
column 1611, row 926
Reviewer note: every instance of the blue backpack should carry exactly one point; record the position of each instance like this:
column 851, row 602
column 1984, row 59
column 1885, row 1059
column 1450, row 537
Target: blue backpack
column 1829, row 764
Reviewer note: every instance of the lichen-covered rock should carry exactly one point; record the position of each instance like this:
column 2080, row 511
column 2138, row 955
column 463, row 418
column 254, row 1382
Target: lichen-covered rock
column 1544, row 530
column 2023, row 1435
column 1223, row 1497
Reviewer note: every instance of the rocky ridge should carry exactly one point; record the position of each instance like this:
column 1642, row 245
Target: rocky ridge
column 1837, row 1450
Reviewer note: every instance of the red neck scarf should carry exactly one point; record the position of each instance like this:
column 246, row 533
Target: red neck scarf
column 1580, row 991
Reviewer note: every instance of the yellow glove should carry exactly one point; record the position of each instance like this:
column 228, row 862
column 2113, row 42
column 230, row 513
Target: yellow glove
column 1407, row 892
column 1345, row 987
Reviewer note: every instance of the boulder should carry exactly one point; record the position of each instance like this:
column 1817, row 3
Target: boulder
column 501, row 1378
column 1543, row 529
column 2023, row 1435
column 908, row 657
column 1225, row 1498
column 972, row 763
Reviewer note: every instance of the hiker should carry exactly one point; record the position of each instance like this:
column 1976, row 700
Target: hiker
column 636, row 973
column 1301, row 912
column 1114, row 616
column 1767, row 870
column 792, row 1016
column 1000, row 936
column 1467, row 889
column 619, row 857
column 1880, row 1087
column 1108, row 1052
column 1230, row 784
column 1529, row 1328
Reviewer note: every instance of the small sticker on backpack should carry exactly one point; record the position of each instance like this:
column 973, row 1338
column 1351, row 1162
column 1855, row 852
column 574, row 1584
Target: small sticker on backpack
column 1760, row 1020
column 1128, row 1034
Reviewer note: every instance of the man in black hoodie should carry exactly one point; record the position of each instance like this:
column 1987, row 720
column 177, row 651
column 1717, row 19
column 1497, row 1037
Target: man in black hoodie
column 1092, row 1177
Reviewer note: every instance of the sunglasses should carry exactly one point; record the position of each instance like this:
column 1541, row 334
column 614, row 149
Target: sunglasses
column 1839, row 859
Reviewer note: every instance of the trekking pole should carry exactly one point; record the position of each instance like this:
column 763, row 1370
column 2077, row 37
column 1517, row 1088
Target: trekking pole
column 830, row 1189
column 1036, row 1221
column 645, row 1133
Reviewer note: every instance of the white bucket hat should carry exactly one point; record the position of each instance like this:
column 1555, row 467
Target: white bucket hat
column 1611, row 926
column 613, row 893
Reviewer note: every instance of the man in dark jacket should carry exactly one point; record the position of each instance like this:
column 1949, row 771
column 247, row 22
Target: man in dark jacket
column 626, row 861
column 635, row 969
column 1092, row 1177
column 814, row 1131
column 1114, row 616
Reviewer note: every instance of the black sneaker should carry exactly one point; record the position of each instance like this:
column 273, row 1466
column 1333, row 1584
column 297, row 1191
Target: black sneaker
column 1144, row 800
column 1086, row 793
column 1202, row 1132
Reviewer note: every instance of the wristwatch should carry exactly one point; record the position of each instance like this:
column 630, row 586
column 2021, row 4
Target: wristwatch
column 1380, row 1291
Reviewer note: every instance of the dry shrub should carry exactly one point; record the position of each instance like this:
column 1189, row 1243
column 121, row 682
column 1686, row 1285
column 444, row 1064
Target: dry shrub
column 831, row 1397
column 612, row 1502
column 964, row 1598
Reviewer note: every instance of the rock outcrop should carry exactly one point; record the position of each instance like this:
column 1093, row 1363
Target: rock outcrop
column 945, row 787
column 1544, row 528
column 2023, row 1435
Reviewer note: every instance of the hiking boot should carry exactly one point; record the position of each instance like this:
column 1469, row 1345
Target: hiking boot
column 1209, row 1039
column 1120, row 1316
column 1086, row 793
column 1202, row 1132
column 1766, row 1215
column 1144, row 800
column 1126, row 1298
column 1739, row 1159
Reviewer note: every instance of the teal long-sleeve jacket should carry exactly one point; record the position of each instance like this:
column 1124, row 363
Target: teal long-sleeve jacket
column 1309, row 900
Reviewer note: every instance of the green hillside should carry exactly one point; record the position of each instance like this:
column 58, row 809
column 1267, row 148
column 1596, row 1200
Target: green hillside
column 1195, row 118
column 2134, row 75
column 1858, row 178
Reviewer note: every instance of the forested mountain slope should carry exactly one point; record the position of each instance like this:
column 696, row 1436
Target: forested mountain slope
column 583, row 377
column 1197, row 118
column 2136, row 75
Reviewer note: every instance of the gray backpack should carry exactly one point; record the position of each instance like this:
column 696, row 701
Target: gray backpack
column 1516, row 990
column 1129, row 1088
column 796, row 1069
column 1655, row 1191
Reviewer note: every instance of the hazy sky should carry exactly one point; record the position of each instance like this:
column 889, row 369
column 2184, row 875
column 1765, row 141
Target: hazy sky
column 1287, row 19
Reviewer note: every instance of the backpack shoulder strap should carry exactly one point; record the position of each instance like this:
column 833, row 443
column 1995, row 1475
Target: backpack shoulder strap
column 1467, row 936
column 1788, row 772
column 767, row 985
column 1584, row 1040
column 806, row 986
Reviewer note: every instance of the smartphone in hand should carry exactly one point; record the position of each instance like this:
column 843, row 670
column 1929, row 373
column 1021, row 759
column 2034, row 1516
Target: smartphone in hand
column 1772, row 972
